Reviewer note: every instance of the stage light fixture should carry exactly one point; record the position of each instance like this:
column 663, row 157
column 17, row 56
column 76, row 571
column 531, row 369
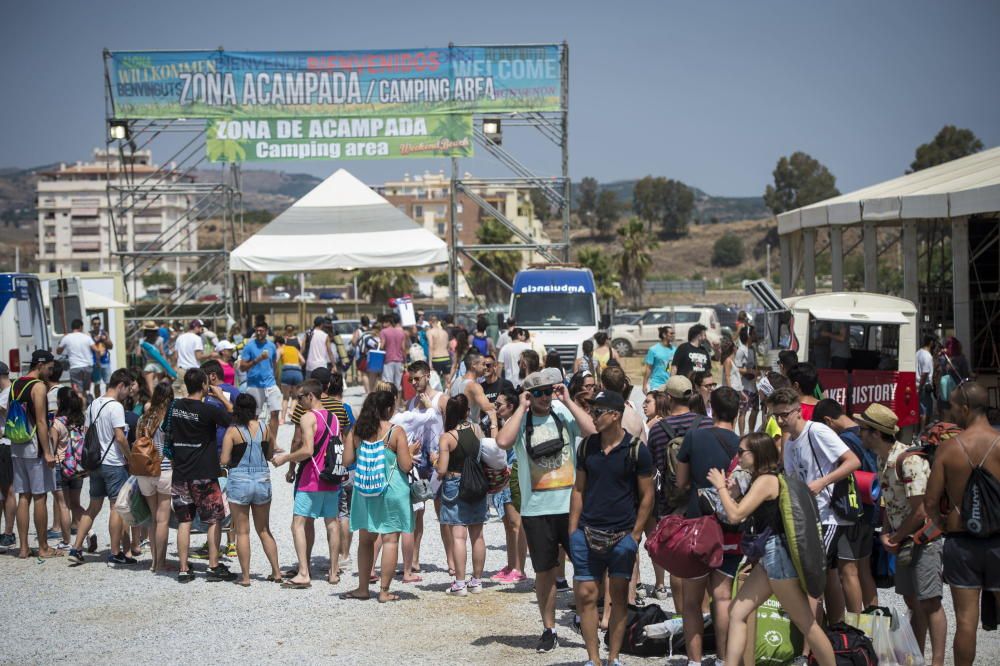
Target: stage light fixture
column 118, row 130
column 493, row 131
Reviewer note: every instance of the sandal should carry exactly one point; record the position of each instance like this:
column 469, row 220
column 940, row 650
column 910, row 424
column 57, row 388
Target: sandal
column 350, row 596
column 289, row 585
column 413, row 579
column 388, row 597
column 243, row 583
column 272, row 579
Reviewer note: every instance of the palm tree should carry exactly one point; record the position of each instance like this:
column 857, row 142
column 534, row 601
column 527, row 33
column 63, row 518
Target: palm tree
column 379, row 286
column 635, row 258
column 505, row 263
column 602, row 265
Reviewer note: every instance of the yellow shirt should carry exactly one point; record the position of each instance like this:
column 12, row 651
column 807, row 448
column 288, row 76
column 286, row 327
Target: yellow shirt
column 290, row 355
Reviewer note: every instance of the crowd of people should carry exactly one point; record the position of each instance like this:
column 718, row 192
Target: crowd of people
column 585, row 475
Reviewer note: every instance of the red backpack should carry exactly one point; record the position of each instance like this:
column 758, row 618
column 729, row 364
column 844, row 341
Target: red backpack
column 687, row 547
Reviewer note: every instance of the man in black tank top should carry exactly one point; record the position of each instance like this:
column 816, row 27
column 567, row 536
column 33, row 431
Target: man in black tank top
column 971, row 565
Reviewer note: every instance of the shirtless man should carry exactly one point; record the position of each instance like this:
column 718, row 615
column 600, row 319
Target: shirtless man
column 971, row 565
column 437, row 342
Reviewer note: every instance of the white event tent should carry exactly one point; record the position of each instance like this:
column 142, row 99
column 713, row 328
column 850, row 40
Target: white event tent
column 340, row 224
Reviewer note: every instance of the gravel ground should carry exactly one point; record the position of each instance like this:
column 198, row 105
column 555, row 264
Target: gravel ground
column 96, row 612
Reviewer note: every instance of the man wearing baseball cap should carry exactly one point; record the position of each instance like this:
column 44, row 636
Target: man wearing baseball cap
column 32, row 455
column 904, row 484
column 542, row 432
column 612, row 500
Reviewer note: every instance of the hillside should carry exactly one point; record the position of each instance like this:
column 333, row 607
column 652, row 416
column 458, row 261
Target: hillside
column 707, row 208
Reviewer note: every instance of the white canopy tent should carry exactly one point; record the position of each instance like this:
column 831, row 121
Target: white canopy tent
column 953, row 192
column 341, row 224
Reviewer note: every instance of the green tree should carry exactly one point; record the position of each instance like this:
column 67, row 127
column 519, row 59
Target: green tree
column 505, row 263
column 799, row 180
column 157, row 278
column 666, row 202
column 608, row 210
column 635, row 259
column 378, row 286
column 286, row 280
column 949, row 144
column 586, row 206
column 541, row 205
column 728, row 250
column 441, row 280
column 602, row 265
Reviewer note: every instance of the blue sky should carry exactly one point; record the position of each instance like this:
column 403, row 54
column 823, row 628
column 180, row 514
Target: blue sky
column 711, row 93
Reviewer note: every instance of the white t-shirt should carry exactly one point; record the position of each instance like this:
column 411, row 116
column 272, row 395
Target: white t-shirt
column 319, row 355
column 4, row 401
column 509, row 356
column 111, row 417
column 814, row 453
column 78, row 349
column 187, row 344
column 925, row 365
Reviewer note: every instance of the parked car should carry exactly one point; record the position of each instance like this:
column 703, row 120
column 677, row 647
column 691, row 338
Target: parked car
column 306, row 296
column 209, row 298
column 331, row 296
column 625, row 317
column 281, row 296
column 345, row 329
column 639, row 336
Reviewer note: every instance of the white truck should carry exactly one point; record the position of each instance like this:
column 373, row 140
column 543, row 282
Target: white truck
column 558, row 305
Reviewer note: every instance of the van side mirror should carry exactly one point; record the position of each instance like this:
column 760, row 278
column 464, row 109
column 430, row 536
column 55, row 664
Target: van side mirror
column 605, row 322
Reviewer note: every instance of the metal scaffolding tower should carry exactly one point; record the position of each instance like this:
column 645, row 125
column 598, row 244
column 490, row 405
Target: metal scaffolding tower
column 553, row 126
column 205, row 287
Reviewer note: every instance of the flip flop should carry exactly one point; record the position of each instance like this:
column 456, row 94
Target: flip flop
column 52, row 553
column 242, row 584
column 289, row 585
column 334, row 582
column 347, row 596
column 373, row 579
column 272, row 579
column 391, row 598
column 415, row 579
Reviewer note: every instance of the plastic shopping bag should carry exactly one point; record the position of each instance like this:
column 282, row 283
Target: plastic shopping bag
column 128, row 498
column 493, row 456
column 892, row 637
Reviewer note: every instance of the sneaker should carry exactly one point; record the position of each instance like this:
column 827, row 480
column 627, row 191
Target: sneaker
column 474, row 586
column 221, row 573
column 457, row 590
column 7, row 541
column 562, row 585
column 661, row 592
column 616, row 662
column 75, row 556
column 62, row 545
column 502, row 575
column 185, row 576
column 92, row 543
column 231, row 550
column 121, row 558
column 548, row 642
column 640, row 591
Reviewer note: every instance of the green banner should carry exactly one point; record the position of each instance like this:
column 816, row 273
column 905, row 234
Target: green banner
column 372, row 138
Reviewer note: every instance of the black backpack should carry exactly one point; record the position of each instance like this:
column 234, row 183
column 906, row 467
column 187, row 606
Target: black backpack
column 636, row 643
column 333, row 471
column 981, row 500
column 92, row 458
column 473, row 487
column 851, row 647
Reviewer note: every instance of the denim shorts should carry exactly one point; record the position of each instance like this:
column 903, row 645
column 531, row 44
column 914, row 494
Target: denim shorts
column 588, row 565
column 777, row 562
column 318, row 504
column 62, row 483
column 457, row 512
column 108, row 481
column 291, row 375
column 249, row 487
column 500, row 500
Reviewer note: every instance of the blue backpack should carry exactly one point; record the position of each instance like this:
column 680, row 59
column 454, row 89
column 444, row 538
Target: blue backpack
column 19, row 429
column 371, row 478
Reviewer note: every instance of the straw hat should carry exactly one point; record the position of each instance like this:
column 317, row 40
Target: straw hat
column 879, row 417
column 150, row 325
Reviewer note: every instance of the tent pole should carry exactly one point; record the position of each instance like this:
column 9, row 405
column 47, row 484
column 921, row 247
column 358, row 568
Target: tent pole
column 453, row 241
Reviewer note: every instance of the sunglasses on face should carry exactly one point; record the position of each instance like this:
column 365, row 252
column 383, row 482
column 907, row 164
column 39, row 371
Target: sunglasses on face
column 488, row 365
column 538, row 393
column 710, row 386
column 416, row 379
column 597, row 411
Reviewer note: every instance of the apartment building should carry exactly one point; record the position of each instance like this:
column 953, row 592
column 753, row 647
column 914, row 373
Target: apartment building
column 425, row 199
column 74, row 221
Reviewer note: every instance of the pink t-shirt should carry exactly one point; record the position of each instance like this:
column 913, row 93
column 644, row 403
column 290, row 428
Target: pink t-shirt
column 309, row 481
column 392, row 343
column 228, row 373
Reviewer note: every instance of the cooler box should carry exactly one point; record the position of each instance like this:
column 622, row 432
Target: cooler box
column 376, row 360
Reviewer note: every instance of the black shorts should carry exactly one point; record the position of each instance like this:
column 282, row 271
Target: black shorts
column 545, row 534
column 6, row 467
column 854, row 542
column 971, row 563
column 442, row 367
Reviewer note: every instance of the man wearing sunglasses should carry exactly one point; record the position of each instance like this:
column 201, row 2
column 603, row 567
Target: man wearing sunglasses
column 493, row 384
column 815, row 455
column 612, row 500
column 543, row 433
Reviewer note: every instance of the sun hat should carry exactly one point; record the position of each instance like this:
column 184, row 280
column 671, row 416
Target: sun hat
column 879, row 417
